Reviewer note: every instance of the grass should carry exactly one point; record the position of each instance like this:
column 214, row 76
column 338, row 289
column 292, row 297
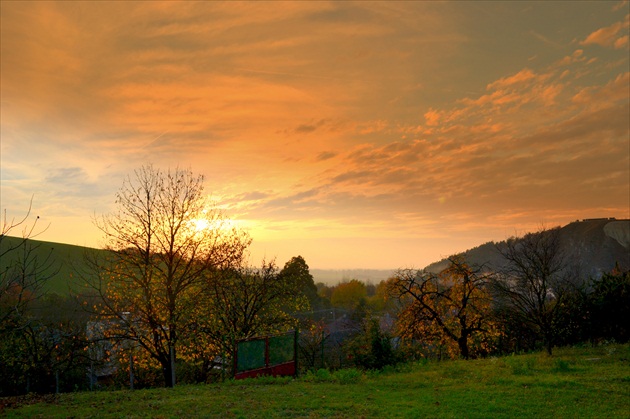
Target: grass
column 591, row 382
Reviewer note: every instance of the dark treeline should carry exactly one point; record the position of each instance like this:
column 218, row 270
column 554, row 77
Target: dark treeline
column 165, row 302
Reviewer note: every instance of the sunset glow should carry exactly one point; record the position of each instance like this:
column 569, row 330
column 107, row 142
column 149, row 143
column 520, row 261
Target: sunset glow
column 356, row 134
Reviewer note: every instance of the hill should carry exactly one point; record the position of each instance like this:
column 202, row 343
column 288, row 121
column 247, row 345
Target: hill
column 598, row 244
column 62, row 263
column 595, row 244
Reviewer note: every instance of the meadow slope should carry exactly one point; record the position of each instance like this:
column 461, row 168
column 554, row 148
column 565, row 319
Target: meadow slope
column 587, row 382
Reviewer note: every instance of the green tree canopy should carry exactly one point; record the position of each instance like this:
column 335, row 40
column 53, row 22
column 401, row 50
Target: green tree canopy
column 347, row 295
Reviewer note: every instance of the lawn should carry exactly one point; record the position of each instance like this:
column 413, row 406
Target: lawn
column 589, row 382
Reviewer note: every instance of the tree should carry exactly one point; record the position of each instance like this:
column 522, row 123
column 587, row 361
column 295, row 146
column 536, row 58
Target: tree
column 452, row 308
column 372, row 348
column 242, row 302
column 42, row 342
column 296, row 270
column 24, row 270
column 163, row 241
column 610, row 306
column 534, row 284
column 347, row 295
column 379, row 301
column 311, row 344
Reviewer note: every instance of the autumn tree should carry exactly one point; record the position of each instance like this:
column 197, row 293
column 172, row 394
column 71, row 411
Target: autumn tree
column 380, row 301
column 349, row 294
column 240, row 302
column 534, row 283
column 452, row 308
column 311, row 344
column 54, row 345
column 163, row 240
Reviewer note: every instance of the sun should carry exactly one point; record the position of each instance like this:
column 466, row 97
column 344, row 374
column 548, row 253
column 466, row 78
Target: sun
column 200, row 225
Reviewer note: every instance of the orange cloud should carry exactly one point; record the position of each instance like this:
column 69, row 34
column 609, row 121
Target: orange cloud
column 621, row 42
column 522, row 76
column 317, row 120
column 432, row 117
column 609, row 36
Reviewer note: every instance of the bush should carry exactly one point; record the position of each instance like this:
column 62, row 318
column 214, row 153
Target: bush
column 372, row 349
column 321, row 375
column 561, row 366
column 347, row 376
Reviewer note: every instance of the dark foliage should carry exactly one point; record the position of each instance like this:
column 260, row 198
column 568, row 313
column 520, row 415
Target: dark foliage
column 372, row 349
column 610, row 307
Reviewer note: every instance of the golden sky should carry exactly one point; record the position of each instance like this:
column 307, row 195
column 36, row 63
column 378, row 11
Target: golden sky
column 355, row 134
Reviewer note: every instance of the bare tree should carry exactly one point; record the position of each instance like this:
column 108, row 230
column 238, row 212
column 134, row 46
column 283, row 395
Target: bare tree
column 24, row 269
column 534, row 282
column 162, row 242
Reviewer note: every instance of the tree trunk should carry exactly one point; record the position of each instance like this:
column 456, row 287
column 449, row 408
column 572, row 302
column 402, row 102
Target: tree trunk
column 168, row 374
column 462, row 342
column 549, row 346
column 168, row 368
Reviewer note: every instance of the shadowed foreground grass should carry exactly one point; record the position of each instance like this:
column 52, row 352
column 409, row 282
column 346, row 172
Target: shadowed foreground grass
column 575, row 382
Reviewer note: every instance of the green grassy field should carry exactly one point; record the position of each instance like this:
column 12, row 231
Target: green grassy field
column 592, row 382
column 66, row 263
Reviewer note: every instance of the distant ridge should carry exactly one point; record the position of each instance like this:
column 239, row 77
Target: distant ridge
column 335, row 276
column 597, row 244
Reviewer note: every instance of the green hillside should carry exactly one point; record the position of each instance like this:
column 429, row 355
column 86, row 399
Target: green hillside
column 63, row 262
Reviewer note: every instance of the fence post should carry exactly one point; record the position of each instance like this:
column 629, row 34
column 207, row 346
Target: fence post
column 295, row 350
column 234, row 357
column 322, row 366
column 223, row 361
column 131, row 370
column 266, row 351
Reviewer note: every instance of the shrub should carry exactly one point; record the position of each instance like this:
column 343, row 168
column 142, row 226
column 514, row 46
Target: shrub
column 372, row 349
column 347, row 376
column 561, row 366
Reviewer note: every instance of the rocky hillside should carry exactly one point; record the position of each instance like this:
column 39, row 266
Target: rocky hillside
column 596, row 245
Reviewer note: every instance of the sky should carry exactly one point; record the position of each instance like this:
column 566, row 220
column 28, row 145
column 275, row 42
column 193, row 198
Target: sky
column 373, row 135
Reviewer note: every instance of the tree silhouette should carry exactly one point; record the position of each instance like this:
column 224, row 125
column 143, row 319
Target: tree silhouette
column 163, row 241
column 534, row 283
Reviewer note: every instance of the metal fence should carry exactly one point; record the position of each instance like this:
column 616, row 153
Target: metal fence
column 268, row 355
